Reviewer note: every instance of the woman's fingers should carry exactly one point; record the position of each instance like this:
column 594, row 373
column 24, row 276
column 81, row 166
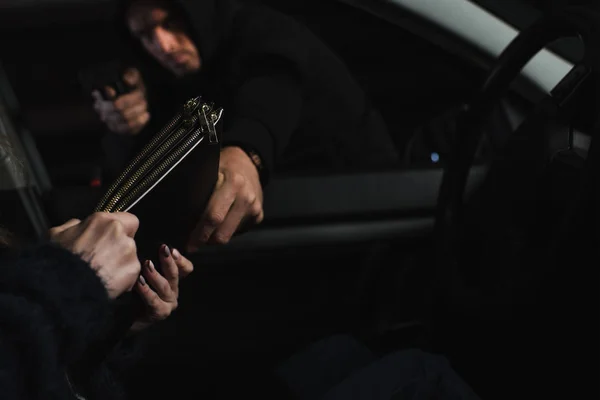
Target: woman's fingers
column 168, row 267
column 160, row 291
column 159, row 283
column 184, row 265
column 158, row 308
column 61, row 228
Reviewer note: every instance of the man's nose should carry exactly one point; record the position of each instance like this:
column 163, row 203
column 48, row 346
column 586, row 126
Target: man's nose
column 165, row 40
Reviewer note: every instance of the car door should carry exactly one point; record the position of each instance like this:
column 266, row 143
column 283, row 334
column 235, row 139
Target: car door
column 414, row 70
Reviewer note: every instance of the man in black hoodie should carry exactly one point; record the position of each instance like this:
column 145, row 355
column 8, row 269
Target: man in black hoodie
column 291, row 104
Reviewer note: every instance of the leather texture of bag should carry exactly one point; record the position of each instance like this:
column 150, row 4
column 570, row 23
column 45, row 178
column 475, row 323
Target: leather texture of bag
column 168, row 184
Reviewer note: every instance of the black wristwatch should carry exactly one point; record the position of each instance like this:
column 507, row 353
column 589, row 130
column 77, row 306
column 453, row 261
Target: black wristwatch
column 258, row 163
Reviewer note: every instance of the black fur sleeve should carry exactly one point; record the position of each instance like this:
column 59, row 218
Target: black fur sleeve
column 52, row 304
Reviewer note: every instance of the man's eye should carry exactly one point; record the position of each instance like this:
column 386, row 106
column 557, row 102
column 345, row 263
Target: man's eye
column 145, row 34
column 171, row 25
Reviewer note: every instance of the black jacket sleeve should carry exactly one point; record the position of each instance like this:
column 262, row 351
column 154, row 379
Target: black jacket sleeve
column 52, row 305
column 266, row 110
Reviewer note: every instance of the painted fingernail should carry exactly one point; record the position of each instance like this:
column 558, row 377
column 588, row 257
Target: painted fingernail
column 166, row 251
column 176, row 254
column 150, row 265
column 142, row 280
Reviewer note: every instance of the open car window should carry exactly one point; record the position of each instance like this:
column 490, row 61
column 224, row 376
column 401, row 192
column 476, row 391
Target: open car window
column 416, row 73
column 410, row 78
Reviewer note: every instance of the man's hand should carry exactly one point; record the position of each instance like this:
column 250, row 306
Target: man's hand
column 161, row 292
column 237, row 199
column 127, row 114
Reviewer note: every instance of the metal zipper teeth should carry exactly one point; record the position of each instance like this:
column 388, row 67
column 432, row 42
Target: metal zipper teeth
column 139, row 172
column 148, row 163
column 133, row 164
column 147, row 182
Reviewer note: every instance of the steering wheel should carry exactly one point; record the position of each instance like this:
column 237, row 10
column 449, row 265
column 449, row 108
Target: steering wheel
column 515, row 264
column 564, row 103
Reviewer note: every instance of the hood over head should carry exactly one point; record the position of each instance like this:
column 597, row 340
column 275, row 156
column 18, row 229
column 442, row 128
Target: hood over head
column 234, row 39
column 208, row 22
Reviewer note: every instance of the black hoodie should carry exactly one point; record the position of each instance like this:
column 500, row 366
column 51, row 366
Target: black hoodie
column 286, row 95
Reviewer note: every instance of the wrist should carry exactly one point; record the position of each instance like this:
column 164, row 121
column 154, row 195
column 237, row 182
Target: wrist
column 256, row 160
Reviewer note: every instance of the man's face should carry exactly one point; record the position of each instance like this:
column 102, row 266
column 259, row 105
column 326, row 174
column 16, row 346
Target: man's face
column 164, row 37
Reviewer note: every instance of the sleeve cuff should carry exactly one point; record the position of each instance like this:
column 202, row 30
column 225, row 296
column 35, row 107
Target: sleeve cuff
column 66, row 286
column 252, row 135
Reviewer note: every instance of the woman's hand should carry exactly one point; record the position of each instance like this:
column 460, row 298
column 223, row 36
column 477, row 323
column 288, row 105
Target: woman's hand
column 160, row 292
column 106, row 242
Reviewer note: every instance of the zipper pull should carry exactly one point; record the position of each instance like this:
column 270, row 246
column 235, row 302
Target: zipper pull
column 215, row 117
column 209, row 123
column 191, row 105
column 189, row 109
column 208, row 107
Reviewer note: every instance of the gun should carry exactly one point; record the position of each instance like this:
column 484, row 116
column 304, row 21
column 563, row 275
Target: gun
column 99, row 76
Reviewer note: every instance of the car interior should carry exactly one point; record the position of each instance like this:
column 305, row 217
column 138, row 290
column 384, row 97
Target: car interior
column 445, row 251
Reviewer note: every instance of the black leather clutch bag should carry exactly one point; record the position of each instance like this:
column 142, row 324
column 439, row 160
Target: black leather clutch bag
column 168, row 184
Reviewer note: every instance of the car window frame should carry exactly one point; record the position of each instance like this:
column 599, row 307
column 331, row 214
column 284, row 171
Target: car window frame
column 403, row 13
column 520, row 15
